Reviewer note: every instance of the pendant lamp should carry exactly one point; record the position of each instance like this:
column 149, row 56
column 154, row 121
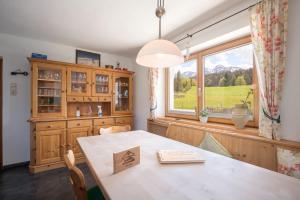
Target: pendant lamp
column 159, row 53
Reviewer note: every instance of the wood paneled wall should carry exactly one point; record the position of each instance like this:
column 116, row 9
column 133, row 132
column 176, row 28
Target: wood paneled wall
column 248, row 148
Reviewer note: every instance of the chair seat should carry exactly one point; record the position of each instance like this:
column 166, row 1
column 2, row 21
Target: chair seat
column 95, row 194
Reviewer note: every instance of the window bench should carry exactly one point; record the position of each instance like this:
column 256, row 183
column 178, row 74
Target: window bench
column 243, row 144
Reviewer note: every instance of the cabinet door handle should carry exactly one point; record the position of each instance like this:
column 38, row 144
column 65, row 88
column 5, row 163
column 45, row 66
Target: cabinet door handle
column 49, row 126
column 78, row 124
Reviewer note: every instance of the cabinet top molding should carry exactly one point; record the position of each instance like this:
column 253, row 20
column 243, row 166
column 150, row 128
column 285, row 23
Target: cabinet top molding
column 35, row 60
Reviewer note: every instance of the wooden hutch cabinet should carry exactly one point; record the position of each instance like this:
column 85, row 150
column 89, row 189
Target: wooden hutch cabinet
column 58, row 91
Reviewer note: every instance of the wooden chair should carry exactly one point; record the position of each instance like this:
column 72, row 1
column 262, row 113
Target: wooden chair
column 115, row 129
column 78, row 182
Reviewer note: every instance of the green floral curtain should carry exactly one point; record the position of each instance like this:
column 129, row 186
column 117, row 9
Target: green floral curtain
column 153, row 77
column 268, row 21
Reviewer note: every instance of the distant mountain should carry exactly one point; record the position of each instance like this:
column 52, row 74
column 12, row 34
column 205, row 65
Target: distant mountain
column 220, row 68
column 189, row 74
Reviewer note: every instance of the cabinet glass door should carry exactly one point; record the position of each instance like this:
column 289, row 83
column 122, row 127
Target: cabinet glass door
column 49, row 91
column 122, row 96
column 101, row 83
column 78, row 84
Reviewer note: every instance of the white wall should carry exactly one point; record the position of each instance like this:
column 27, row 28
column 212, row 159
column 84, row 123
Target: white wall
column 290, row 107
column 236, row 22
column 16, row 109
column 142, row 96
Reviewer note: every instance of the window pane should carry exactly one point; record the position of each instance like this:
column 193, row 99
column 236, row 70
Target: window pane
column 228, row 80
column 183, row 87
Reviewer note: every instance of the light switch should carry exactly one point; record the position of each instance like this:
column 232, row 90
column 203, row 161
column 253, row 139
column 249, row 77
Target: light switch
column 13, row 89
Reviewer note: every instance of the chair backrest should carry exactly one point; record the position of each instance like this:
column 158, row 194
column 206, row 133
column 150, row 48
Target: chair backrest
column 115, row 129
column 70, row 159
column 78, row 183
column 76, row 176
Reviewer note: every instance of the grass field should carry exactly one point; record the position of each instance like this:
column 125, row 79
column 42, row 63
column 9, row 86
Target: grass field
column 222, row 97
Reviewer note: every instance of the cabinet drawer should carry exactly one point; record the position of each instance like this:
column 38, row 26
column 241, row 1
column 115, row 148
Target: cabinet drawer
column 90, row 99
column 79, row 123
column 104, row 99
column 102, row 122
column 74, row 99
column 124, row 120
column 44, row 126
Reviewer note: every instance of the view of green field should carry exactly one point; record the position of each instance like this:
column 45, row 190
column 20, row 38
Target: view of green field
column 215, row 97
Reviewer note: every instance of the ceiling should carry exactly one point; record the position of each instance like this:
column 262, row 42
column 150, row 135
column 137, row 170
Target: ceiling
column 113, row 26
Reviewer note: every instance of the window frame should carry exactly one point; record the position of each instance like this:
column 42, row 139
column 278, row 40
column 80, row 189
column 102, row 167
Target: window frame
column 182, row 114
column 200, row 84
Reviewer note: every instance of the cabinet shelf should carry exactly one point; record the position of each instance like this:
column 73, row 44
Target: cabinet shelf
column 51, row 88
column 49, row 80
column 101, row 84
column 79, row 82
column 49, row 96
column 49, row 105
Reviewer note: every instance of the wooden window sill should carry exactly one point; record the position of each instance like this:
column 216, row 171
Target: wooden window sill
column 227, row 127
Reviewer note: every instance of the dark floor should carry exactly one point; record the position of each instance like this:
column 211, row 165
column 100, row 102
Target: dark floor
column 18, row 183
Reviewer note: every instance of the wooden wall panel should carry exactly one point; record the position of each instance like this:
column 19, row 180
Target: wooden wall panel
column 157, row 129
column 249, row 150
column 185, row 134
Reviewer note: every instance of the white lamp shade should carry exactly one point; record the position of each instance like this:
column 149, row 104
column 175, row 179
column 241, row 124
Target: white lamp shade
column 159, row 54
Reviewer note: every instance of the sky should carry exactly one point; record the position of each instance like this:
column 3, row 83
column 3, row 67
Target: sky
column 238, row 57
column 190, row 66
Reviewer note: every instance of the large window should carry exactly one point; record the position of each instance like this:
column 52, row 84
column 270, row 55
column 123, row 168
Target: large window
column 228, row 79
column 182, row 89
column 224, row 78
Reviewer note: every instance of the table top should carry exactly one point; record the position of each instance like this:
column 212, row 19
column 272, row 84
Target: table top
column 219, row 177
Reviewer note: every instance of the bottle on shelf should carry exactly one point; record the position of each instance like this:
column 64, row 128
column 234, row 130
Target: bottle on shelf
column 100, row 111
column 77, row 112
column 90, row 111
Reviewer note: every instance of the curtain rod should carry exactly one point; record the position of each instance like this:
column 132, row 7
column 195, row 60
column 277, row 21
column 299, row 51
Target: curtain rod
column 236, row 13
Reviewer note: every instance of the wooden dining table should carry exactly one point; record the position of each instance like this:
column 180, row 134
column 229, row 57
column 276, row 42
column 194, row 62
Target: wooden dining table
column 219, row 177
